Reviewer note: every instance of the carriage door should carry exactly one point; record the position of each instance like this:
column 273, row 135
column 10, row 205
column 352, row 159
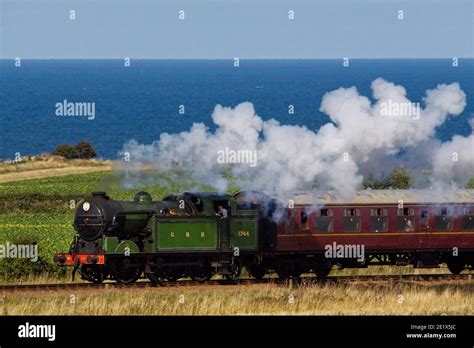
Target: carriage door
column 442, row 222
column 425, row 227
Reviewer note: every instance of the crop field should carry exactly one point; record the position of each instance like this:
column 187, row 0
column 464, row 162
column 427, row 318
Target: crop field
column 38, row 211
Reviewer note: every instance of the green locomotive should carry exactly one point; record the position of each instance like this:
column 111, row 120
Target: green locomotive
column 192, row 235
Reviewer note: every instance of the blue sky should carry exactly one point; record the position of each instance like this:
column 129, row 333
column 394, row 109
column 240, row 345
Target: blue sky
column 237, row 28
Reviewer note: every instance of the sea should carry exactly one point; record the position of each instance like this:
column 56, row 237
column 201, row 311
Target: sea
column 148, row 98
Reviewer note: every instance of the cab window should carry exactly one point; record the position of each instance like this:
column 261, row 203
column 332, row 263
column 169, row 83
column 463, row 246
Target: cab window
column 197, row 201
column 225, row 204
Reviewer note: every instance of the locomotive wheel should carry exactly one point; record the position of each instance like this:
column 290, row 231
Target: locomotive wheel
column 156, row 277
column 256, row 271
column 235, row 269
column 322, row 269
column 93, row 273
column 456, row 264
column 123, row 271
column 285, row 270
column 174, row 274
column 201, row 273
column 296, row 274
column 168, row 274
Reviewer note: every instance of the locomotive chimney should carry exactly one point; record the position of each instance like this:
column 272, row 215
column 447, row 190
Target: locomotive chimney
column 100, row 194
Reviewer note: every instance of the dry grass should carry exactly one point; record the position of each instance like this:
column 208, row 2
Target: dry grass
column 41, row 279
column 268, row 299
column 45, row 166
column 389, row 270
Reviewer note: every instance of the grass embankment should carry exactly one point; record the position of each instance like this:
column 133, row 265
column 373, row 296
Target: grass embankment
column 48, row 166
column 267, row 299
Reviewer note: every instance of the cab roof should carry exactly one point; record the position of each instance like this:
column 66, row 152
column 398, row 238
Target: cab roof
column 208, row 195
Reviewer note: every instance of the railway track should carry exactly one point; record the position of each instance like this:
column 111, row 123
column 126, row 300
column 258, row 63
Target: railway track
column 292, row 282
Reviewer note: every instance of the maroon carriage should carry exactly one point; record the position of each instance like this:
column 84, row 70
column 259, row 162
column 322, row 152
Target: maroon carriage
column 375, row 227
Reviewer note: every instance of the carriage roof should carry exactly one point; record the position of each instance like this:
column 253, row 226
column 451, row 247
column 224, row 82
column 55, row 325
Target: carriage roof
column 384, row 197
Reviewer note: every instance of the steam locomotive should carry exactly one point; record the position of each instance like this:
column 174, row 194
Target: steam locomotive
column 187, row 235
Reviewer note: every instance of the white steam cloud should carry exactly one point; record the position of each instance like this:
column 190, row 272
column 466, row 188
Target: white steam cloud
column 291, row 158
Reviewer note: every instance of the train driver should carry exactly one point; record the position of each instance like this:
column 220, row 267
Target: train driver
column 222, row 212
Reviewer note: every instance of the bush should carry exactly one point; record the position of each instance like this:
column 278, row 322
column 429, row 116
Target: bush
column 85, row 150
column 399, row 178
column 22, row 268
column 66, row 151
column 470, row 183
column 82, row 149
column 380, row 183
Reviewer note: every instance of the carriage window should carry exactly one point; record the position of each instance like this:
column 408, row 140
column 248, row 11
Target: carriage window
column 378, row 212
column 468, row 219
column 443, row 222
column 351, row 221
column 351, row 212
column 468, row 223
column 406, row 212
column 424, row 215
column 324, row 220
column 304, row 220
column 406, row 220
column 324, row 212
column 378, row 220
column 469, row 211
column 304, row 217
